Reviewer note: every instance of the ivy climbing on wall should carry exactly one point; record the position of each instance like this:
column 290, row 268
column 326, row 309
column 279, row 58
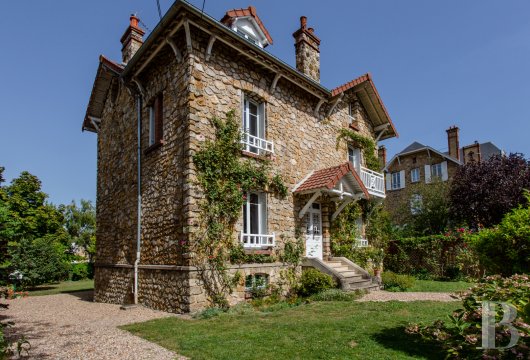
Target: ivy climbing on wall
column 367, row 145
column 224, row 178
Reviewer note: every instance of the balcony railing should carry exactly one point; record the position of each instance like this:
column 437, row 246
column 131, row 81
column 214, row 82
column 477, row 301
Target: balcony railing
column 257, row 240
column 373, row 181
column 361, row 243
column 255, row 144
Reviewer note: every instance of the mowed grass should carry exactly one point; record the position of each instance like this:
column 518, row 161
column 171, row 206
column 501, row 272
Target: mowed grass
column 319, row 330
column 440, row 286
column 62, row 287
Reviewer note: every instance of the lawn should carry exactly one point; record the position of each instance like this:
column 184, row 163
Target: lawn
column 440, row 286
column 319, row 330
column 62, row 287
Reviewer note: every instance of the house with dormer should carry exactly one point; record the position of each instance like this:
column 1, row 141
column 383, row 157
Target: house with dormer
column 422, row 164
column 151, row 112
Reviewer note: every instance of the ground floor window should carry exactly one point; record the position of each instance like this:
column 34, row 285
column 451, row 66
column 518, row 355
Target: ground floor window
column 255, row 232
column 256, row 281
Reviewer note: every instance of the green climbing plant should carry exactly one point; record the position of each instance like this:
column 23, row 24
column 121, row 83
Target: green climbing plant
column 224, row 178
column 367, row 145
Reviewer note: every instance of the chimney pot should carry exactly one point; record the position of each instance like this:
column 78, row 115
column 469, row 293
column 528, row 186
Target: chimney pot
column 311, row 30
column 303, row 22
column 134, row 21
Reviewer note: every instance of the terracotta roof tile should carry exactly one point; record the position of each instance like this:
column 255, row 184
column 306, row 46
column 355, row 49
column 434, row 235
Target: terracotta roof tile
column 329, row 177
column 251, row 11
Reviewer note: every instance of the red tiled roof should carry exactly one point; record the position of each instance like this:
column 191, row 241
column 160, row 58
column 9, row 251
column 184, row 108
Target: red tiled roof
column 251, row 11
column 362, row 79
column 328, row 178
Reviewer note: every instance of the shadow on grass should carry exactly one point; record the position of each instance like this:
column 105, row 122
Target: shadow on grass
column 412, row 345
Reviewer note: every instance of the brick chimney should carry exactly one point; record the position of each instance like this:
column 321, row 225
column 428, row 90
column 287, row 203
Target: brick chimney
column 381, row 154
column 453, row 142
column 131, row 40
column 307, row 50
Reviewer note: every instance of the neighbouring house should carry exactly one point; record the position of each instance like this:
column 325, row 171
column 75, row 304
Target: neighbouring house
column 152, row 112
column 418, row 163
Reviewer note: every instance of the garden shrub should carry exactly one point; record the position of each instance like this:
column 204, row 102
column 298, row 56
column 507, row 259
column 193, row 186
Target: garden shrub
column 209, row 313
column 396, row 282
column 337, row 295
column 449, row 256
column 80, row 271
column 505, row 249
column 313, row 281
column 461, row 336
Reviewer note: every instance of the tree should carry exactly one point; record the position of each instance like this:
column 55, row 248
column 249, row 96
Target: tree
column 40, row 260
column 483, row 192
column 25, row 216
column 424, row 210
column 80, row 224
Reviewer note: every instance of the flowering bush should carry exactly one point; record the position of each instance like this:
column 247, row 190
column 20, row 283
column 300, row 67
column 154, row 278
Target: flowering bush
column 461, row 336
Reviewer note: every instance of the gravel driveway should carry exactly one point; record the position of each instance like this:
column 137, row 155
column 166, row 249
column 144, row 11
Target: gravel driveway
column 71, row 326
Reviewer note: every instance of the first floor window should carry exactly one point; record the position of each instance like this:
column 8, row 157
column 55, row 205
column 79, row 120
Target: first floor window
column 156, row 120
column 415, row 175
column 436, row 170
column 396, row 180
column 255, row 214
column 254, row 126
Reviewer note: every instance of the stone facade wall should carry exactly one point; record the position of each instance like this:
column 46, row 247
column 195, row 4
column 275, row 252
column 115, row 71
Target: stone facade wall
column 302, row 142
column 396, row 199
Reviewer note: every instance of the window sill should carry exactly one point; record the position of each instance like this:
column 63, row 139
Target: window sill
column 250, row 251
column 256, row 156
column 153, row 147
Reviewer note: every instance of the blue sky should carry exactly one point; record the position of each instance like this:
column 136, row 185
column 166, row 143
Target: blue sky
column 435, row 64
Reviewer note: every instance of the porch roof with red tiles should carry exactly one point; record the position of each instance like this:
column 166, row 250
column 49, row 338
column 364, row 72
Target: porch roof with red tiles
column 251, row 11
column 327, row 179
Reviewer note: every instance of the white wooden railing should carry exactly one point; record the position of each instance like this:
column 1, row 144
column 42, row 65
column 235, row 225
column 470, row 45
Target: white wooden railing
column 373, row 181
column 361, row 243
column 255, row 142
column 257, row 240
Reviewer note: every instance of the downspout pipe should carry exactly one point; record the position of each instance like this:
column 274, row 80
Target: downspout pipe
column 139, row 220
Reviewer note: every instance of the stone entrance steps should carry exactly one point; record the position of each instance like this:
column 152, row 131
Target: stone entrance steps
column 349, row 275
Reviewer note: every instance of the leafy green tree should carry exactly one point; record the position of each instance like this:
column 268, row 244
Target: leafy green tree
column 80, row 224
column 24, row 216
column 40, row 260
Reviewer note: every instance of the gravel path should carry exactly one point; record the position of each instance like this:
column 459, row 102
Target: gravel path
column 71, row 326
column 407, row 296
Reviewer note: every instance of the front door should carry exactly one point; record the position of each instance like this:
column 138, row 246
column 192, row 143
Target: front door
column 313, row 245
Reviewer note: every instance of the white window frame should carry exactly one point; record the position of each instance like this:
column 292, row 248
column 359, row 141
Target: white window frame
column 436, row 171
column 254, row 278
column 354, row 153
column 396, row 180
column 415, row 175
column 255, row 143
column 152, row 125
column 350, row 113
column 262, row 238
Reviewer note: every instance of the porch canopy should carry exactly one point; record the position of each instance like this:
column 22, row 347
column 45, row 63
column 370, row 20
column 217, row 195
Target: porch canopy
column 341, row 183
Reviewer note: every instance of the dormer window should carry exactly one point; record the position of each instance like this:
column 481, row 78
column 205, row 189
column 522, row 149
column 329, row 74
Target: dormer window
column 247, row 24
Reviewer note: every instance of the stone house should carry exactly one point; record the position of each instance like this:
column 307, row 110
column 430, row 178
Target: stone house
column 152, row 112
column 418, row 163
